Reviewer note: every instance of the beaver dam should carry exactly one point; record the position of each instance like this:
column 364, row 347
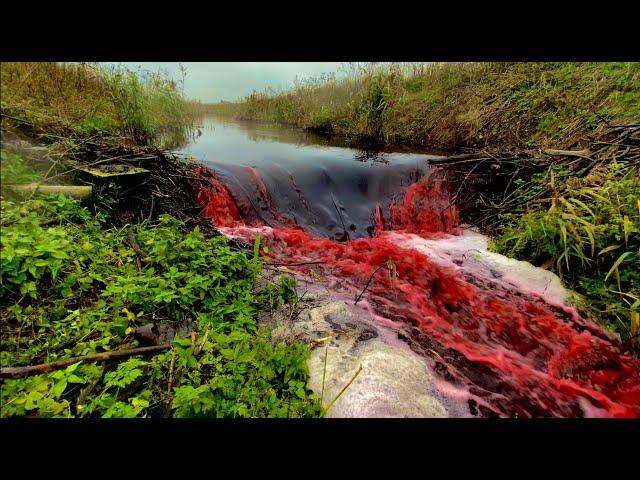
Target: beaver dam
column 412, row 312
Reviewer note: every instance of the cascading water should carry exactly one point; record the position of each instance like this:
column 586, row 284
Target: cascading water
column 507, row 349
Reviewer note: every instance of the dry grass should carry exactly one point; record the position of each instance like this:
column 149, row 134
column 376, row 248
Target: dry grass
column 457, row 104
column 86, row 98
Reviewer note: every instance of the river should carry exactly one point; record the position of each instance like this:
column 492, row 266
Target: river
column 489, row 336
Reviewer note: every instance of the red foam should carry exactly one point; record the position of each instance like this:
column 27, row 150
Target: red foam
column 426, row 208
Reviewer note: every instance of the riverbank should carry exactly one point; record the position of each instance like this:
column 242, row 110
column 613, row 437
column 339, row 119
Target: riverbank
column 452, row 105
column 543, row 172
column 94, row 282
column 126, row 303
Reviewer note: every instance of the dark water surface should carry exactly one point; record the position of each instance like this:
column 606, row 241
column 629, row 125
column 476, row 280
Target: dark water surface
column 286, row 175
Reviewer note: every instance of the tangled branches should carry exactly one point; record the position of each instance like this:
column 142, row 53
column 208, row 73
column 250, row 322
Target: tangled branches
column 490, row 185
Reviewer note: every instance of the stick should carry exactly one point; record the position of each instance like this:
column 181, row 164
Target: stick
column 18, row 372
column 324, row 373
column 341, row 219
column 17, row 119
column 368, row 282
column 324, row 412
column 132, row 241
column 296, row 264
column 568, row 153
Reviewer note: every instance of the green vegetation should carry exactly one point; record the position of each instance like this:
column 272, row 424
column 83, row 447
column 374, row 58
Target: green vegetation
column 590, row 236
column 14, row 169
column 71, row 286
column 84, row 99
column 449, row 105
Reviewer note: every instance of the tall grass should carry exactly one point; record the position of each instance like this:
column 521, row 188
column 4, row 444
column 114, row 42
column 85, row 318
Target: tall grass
column 456, row 104
column 590, row 236
column 87, row 98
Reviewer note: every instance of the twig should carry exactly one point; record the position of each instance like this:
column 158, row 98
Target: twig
column 18, row 372
column 569, row 153
column 368, row 282
column 170, row 380
column 295, row 264
column 84, row 393
column 341, row 391
column 16, row 119
column 324, row 373
column 344, row 228
column 136, row 248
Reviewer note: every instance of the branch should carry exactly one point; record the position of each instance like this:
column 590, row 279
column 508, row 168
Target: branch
column 296, row 264
column 368, row 282
column 17, row 372
column 569, row 153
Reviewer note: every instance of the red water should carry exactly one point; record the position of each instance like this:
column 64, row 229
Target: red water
column 217, row 201
column 426, row 208
column 515, row 353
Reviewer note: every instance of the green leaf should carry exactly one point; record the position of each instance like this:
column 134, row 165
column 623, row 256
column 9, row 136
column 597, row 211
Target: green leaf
column 617, row 264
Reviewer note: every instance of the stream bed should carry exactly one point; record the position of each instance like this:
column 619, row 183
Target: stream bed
column 406, row 307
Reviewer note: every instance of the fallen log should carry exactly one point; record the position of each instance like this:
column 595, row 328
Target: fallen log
column 74, row 191
column 18, row 372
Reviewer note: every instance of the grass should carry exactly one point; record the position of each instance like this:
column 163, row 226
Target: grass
column 87, row 99
column 71, row 286
column 449, row 105
column 590, row 236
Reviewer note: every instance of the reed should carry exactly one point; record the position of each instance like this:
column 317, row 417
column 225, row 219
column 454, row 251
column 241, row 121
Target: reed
column 455, row 104
column 85, row 98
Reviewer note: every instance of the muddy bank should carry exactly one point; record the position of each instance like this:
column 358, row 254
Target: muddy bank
column 141, row 182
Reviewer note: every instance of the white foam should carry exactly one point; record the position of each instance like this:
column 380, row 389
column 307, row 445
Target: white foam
column 469, row 252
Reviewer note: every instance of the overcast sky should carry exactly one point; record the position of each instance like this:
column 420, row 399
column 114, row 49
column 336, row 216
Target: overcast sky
column 216, row 81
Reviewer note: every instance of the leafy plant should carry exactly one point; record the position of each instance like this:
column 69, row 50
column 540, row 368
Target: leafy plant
column 72, row 288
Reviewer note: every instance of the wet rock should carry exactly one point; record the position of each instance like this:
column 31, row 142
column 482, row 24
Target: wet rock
column 154, row 334
column 394, row 381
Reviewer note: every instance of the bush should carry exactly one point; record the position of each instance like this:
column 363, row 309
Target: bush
column 74, row 289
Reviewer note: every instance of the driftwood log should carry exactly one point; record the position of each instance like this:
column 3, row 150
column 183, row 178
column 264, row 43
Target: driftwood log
column 74, row 191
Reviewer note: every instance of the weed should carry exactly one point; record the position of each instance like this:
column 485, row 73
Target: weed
column 590, row 236
column 74, row 288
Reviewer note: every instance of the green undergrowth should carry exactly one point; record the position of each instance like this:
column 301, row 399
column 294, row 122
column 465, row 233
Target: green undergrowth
column 590, row 236
column 14, row 169
column 71, row 286
column 493, row 105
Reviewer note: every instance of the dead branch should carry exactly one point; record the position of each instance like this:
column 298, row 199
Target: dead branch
column 18, row 372
column 368, row 282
